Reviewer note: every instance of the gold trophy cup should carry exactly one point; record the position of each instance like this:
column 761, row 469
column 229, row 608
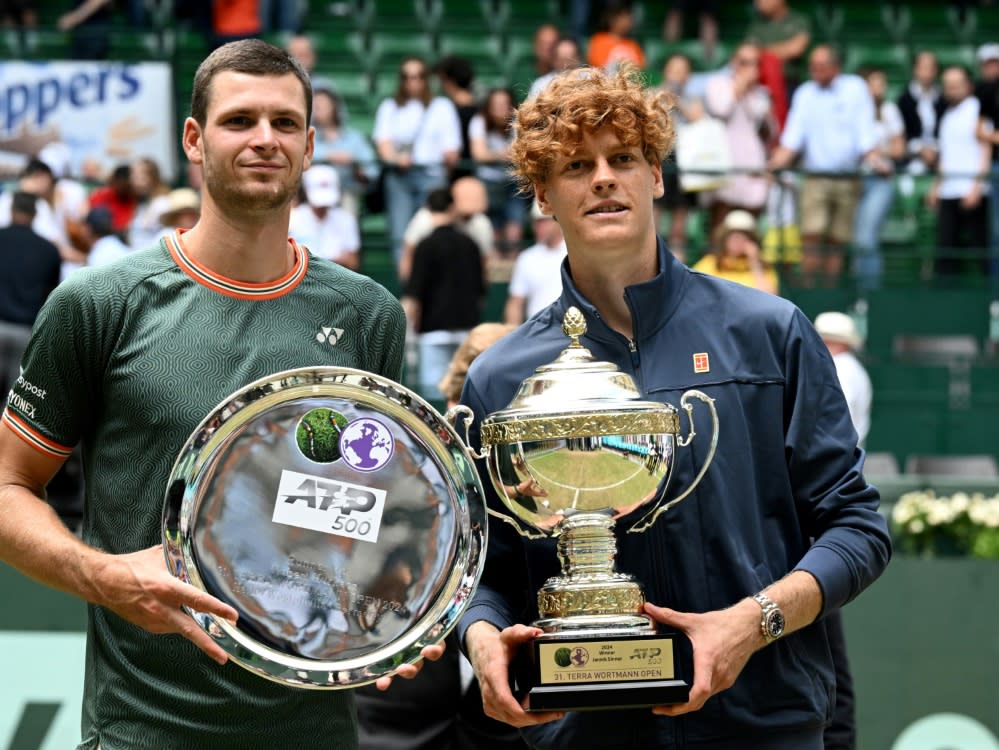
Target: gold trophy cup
column 576, row 449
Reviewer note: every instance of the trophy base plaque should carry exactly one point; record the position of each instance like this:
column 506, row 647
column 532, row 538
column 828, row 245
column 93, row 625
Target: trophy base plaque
column 592, row 673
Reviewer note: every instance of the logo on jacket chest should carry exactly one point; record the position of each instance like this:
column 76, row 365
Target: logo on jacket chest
column 329, row 335
column 701, row 362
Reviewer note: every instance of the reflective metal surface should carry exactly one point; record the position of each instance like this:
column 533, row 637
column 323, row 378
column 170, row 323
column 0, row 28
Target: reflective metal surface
column 578, row 436
column 576, row 449
column 618, row 471
column 339, row 513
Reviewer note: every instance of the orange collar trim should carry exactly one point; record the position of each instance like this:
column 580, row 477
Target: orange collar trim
column 238, row 289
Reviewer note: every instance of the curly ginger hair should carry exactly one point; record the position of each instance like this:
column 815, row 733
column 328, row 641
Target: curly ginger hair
column 585, row 100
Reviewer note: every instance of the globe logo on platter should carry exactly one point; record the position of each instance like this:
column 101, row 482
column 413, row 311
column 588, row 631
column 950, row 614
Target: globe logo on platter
column 366, row 444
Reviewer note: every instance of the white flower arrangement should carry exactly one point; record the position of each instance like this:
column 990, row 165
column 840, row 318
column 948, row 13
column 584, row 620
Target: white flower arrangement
column 961, row 524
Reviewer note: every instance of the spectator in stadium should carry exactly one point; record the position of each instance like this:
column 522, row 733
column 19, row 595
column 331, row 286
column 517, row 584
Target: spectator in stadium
column 545, row 37
column 181, row 211
column 347, row 149
column 878, row 188
column 794, row 485
column 988, row 62
column 234, row 20
column 736, row 254
column 69, row 198
column 921, row 105
column 301, row 48
column 707, row 17
column 490, row 133
column 469, row 215
column 89, row 24
column 18, row 14
column 566, row 56
column 457, row 78
column 151, row 193
column 736, row 97
column 445, row 292
column 119, row 197
column 51, row 221
column 30, row 272
column 282, row 16
column 320, row 224
column 418, row 139
column 831, row 129
column 112, row 380
column 841, row 337
column 614, row 44
column 536, row 281
column 987, row 93
column 960, row 192
column 580, row 19
column 678, row 202
column 784, row 33
column 104, row 245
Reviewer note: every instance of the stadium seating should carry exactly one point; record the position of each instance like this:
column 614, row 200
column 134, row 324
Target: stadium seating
column 977, row 465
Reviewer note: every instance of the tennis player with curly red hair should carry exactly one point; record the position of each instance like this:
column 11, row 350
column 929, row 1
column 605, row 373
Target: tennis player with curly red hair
column 783, row 529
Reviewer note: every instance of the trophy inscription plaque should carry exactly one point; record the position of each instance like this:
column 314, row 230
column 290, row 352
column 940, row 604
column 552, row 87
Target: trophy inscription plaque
column 576, row 449
column 341, row 516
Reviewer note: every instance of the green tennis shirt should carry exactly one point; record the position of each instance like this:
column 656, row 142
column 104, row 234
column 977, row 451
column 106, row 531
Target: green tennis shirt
column 127, row 360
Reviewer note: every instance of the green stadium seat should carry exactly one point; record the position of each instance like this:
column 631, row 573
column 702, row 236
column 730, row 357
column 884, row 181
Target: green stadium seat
column 45, row 44
column 11, row 45
column 952, row 54
column 893, row 59
column 387, row 49
column 354, row 87
column 383, row 15
column 482, row 50
column 337, row 45
column 384, row 83
column 657, row 51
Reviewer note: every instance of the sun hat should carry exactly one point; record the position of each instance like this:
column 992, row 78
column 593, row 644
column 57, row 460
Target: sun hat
column 838, row 327
column 322, row 186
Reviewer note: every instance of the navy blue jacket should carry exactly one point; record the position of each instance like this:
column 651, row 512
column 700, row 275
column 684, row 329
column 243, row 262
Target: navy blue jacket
column 787, row 471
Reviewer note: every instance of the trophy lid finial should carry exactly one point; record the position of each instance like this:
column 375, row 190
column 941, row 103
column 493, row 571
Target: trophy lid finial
column 574, row 326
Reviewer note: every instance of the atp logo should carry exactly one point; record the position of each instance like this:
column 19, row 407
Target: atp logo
column 329, row 505
column 329, row 335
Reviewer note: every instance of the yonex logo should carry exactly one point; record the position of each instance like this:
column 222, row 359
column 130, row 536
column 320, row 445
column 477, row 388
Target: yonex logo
column 329, row 335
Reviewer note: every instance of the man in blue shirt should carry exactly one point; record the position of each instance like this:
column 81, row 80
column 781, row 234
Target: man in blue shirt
column 782, row 520
column 830, row 126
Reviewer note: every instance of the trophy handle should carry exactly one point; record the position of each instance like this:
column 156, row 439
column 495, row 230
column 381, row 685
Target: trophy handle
column 467, row 416
column 650, row 518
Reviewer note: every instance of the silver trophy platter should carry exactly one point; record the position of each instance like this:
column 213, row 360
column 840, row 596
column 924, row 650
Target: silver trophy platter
column 338, row 513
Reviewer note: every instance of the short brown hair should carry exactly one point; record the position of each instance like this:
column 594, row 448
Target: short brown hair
column 253, row 57
column 587, row 99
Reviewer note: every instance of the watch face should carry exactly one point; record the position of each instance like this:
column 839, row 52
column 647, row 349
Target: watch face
column 775, row 624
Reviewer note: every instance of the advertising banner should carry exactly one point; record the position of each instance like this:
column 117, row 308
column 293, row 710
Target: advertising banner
column 106, row 113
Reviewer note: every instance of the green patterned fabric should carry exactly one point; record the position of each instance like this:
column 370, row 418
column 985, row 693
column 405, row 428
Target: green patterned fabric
column 129, row 359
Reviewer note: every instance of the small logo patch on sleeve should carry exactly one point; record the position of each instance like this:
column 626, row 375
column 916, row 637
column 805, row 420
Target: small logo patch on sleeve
column 701, row 363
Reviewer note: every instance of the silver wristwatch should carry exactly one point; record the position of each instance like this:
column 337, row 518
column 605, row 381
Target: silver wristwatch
column 772, row 622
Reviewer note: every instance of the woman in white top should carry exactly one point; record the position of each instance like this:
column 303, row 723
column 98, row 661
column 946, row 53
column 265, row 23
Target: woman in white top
column 418, row 138
column 490, row 133
column 878, row 191
column 736, row 98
